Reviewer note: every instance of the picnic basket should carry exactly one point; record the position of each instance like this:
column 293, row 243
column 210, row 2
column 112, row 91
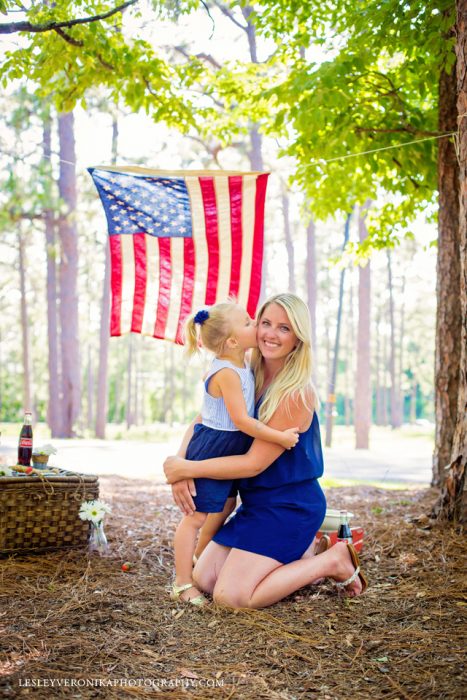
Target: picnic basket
column 40, row 513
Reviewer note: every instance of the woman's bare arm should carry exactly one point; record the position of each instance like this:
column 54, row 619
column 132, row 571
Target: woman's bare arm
column 260, row 455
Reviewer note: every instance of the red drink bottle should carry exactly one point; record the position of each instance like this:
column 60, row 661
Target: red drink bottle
column 344, row 533
column 25, row 441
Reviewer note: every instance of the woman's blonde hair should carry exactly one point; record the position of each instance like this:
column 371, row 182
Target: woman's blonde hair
column 293, row 381
column 213, row 326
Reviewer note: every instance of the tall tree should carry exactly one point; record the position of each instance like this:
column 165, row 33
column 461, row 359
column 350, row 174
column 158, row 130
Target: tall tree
column 363, row 375
column 27, row 380
column 288, row 240
column 68, row 276
column 449, row 312
column 395, row 412
column 452, row 503
column 311, row 286
column 102, row 374
column 53, row 410
column 331, row 398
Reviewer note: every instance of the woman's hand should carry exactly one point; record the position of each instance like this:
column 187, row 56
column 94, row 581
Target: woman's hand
column 173, row 466
column 182, row 493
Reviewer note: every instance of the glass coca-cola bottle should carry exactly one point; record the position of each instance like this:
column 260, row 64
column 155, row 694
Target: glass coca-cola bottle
column 25, row 441
column 344, row 533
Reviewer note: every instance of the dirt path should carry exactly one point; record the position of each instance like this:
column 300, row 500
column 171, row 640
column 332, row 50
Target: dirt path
column 392, row 458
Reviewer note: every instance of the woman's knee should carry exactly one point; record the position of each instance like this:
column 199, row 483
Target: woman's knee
column 231, row 598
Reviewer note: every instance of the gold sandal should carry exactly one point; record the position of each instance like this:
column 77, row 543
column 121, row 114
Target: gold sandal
column 177, row 591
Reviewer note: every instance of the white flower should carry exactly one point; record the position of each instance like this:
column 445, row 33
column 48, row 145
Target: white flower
column 47, row 449
column 103, row 506
column 94, row 511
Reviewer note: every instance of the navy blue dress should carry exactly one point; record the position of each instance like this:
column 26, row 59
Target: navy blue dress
column 207, row 443
column 283, row 507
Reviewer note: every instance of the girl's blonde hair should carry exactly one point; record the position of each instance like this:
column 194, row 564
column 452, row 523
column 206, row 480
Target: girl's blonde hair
column 293, row 381
column 214, row 329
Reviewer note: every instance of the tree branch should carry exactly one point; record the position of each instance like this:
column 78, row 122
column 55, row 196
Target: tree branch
column 12, row 27
column 400, row 130
column 202, row 56
column 227, row 12
column 80, row 44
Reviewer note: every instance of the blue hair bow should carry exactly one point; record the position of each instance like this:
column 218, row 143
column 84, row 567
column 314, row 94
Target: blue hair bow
column 201, row 316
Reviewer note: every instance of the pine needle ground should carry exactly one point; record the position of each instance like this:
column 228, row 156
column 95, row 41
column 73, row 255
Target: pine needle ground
column 78, row 626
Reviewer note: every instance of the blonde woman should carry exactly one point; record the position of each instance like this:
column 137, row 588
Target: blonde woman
column 255, row 558
column 226, row 427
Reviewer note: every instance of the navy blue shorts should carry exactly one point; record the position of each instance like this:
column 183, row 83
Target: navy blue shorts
column 207, row 443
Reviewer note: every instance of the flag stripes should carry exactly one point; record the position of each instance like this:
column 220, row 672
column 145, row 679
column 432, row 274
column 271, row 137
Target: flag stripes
column 199, row 245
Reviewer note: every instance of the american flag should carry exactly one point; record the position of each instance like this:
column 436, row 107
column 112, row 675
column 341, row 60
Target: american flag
column 180, row 240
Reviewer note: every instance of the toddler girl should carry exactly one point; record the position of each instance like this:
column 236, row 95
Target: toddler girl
column 227, row 424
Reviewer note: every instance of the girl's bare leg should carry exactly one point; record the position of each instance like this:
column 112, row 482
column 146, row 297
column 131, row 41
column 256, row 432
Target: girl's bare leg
column 213, row 524
column 250, row 580
column 184, row 546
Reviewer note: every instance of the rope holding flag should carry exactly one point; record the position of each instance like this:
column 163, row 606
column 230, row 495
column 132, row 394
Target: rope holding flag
column 180, row 240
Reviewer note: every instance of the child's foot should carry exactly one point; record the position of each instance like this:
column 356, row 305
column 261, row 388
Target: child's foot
column 188, row 593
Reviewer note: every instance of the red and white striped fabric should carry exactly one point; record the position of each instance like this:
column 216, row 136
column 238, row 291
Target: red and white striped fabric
column 179, row 241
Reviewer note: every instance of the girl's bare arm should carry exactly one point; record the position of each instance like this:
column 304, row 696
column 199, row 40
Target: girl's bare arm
column 257, row 459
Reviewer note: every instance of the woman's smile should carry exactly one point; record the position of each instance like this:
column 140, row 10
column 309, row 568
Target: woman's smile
column 276, row 338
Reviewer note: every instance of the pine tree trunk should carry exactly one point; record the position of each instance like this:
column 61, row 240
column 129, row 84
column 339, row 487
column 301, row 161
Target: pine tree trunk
column 395, row 416
column 27, row 390
column 413, row 402
column 349, row 367
column 136, row 383
column 331, row 398
column 448, row 318
column 129, row 394
column 288, row 241
column 53, row 408
column 104, row 332
column 90, row 390
column 363, row 378
column 311, row 290
column 71, row 373
column 378, row 387
column 452, row 503
column 400, row 367
column 384, row 388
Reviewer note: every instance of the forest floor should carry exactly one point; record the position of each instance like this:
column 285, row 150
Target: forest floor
column 74, row 625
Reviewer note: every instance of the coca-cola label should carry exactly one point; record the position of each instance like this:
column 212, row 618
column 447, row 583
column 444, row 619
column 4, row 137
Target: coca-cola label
column 25, row 442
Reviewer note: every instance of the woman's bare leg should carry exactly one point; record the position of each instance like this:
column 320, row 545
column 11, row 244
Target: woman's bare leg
column 209, row 565
column 213, row 524
column 253, row 581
